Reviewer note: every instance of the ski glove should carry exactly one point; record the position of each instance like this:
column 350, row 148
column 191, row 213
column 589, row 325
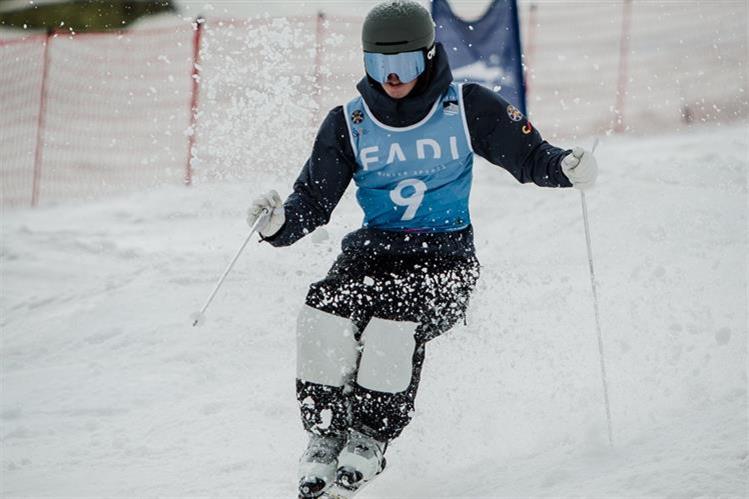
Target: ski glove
column 581, row 168
column 270, row 201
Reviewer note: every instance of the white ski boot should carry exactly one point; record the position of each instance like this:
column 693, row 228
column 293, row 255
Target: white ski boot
column 318, row 464
column 360, row 461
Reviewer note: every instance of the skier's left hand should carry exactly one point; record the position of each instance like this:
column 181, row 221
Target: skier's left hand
column 581, row 168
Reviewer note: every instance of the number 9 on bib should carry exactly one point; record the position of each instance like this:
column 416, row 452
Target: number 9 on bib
column 415, row 189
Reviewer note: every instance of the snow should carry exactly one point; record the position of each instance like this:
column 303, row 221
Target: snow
column 108, row 391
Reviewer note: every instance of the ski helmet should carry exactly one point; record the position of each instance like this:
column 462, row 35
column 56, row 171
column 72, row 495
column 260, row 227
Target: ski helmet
column 397, row 26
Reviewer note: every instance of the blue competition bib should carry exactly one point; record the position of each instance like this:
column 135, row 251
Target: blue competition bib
column 414, row 178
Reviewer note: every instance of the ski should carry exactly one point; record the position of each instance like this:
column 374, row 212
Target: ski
column 340, row 492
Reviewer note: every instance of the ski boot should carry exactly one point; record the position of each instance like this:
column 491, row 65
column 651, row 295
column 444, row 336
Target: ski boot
column 360, row 461
column 317, row 466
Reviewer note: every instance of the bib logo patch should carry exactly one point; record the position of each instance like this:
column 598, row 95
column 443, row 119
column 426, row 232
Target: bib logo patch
column 514, row 113
column 357, row 116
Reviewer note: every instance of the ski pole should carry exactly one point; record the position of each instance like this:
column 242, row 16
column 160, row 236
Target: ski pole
column 595, row 307
column 199, row 317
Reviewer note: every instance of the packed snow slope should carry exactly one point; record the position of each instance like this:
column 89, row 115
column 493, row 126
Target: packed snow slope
column 107, row 390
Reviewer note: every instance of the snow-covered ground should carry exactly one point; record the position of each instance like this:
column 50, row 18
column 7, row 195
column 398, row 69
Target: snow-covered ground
column 108, row 391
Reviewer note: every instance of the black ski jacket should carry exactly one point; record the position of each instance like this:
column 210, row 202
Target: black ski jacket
column 513, row 145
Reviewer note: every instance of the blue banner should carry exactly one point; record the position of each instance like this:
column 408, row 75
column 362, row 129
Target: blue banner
column 486, row 50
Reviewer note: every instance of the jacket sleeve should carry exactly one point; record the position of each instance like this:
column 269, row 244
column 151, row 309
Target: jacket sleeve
column 321, row 183
column 513, row 144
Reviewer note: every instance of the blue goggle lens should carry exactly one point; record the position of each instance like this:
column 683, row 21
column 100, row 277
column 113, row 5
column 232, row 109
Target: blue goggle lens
column 407, row 65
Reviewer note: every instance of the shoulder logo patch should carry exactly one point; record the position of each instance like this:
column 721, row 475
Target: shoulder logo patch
column 357, row 116
column 450, row 108
column 514, row 113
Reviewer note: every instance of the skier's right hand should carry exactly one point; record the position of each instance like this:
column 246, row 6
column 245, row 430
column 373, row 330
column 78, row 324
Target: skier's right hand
column 271, row 202
column 581, row 168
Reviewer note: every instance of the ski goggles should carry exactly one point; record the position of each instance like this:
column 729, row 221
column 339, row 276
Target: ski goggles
column 407, row 65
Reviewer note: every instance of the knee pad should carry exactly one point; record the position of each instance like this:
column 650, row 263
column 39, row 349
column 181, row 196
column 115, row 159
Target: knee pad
column 386, row 362
column 327, row 351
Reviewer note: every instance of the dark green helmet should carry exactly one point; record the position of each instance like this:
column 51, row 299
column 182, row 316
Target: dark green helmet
column 397, row 26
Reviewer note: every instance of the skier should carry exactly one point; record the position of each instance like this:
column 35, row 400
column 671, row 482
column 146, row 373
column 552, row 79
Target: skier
column 405, row 277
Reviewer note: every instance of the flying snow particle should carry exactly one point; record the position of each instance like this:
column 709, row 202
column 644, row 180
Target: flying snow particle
column 326, row 415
